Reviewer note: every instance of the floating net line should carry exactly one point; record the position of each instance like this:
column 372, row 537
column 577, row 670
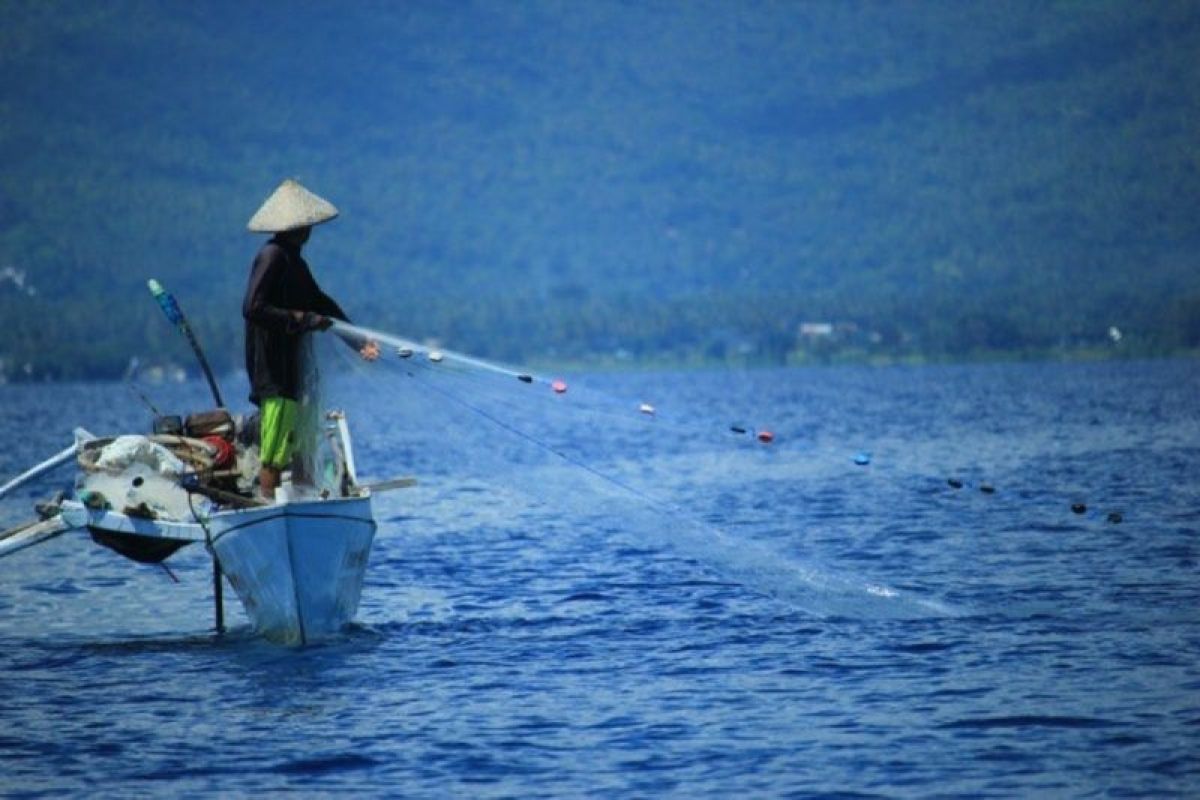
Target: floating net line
column 597, row 460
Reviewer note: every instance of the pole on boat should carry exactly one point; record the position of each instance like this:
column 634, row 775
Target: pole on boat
column 31, row 533
column 33, row 472
column 167, row 302
column 54, row 461
column 218, row 595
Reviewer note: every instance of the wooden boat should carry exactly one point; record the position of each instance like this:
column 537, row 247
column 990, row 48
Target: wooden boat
column 297, row 565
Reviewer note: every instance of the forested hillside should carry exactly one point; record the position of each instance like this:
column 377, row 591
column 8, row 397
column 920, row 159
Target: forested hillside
column 644, row 180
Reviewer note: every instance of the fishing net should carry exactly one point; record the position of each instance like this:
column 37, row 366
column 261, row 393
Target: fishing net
column 317, row 462
column 598, row 457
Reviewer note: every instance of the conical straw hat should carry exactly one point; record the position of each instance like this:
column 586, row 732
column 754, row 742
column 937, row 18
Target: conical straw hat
column 291, row 206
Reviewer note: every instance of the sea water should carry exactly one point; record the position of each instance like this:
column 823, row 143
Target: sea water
column 761, row 620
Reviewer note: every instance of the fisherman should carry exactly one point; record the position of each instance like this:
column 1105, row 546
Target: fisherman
column 283, row 303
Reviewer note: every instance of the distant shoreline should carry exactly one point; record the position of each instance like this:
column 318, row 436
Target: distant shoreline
column 1064, row 356
column 173, row 372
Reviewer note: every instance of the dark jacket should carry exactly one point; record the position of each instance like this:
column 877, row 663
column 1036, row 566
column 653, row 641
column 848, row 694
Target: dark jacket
column 280, row 282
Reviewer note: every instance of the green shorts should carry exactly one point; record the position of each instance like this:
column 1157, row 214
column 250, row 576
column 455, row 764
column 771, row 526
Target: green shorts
column 278, row 431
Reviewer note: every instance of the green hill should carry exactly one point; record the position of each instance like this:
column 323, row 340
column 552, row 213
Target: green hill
column 666, row 180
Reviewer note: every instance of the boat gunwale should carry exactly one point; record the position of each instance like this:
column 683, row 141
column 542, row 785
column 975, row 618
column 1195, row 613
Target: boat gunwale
column 284, row 510
column 78, row 515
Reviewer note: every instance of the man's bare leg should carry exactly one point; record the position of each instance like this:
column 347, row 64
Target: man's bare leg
column 268, row 481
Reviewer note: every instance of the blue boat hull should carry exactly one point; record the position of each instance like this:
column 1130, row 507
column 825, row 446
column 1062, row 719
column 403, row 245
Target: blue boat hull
column 297, row 567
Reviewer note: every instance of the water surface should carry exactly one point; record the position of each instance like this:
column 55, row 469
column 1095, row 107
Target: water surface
column 769, row 621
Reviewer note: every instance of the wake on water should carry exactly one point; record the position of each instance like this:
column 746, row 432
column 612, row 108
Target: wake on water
column 559, row 444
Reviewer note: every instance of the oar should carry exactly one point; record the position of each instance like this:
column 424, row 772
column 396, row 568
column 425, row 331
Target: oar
column 388, row 485
column 169, row 306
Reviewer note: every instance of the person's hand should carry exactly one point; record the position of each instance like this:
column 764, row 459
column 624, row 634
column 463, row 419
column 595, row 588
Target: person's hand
column 369, row 351
column 316, row 322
